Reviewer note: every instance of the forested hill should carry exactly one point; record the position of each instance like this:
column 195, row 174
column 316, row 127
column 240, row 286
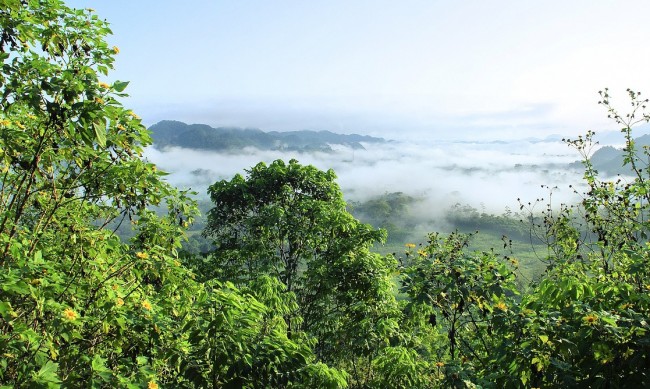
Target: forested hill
column 609, row 159
column 168, row 133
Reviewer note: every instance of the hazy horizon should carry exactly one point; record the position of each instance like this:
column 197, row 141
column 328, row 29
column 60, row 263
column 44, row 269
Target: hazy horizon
column 488, row 175
column 436, row 70
column 420, row 72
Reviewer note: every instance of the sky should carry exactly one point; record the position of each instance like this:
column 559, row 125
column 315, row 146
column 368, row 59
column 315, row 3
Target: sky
column 469, row 69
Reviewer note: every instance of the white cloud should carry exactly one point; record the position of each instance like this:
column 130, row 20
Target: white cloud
column 492, row 174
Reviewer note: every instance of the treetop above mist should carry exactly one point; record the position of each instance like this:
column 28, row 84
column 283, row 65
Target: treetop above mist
column 169, row 133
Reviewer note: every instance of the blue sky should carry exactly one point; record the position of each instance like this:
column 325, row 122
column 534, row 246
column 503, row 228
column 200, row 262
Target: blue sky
column 439, row 69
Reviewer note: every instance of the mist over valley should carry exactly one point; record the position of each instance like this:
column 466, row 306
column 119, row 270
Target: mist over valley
column 488, row 175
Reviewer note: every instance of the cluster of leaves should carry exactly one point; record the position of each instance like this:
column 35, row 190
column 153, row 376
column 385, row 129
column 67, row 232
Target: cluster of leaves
column 458, row 301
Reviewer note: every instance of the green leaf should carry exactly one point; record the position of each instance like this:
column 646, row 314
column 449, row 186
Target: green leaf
column 119, row 86
column 100, row 134
column 20, row 287
column 524, row 377
column 5, row 310
column 47, row 373
column 609, row 320
column 99, row 364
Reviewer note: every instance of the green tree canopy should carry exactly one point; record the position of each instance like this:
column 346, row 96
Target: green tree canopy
column 290, row 222
column 282, row 219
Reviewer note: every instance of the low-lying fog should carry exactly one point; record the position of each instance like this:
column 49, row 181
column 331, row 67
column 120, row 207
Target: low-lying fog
column 489, row 176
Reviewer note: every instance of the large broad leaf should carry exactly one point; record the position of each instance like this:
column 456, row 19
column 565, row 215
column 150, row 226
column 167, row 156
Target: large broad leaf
column 119, row 86
column 5, row 310
column 47, row 374
column 100, row 134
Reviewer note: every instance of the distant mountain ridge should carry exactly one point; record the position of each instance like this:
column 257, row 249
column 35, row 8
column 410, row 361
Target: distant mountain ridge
column 170, row 133
column 609, row 160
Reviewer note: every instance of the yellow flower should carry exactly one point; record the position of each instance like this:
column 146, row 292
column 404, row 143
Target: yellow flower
column 5, row 122
column 69, row 314
column 99, row 100
column 119, row 302
column 146, row 305
column 104, row 85
column 590, row 319
column 440, row 364
column 410, row 245
column 177, row 263
column 422, row 253
column 152, row 385
column 502, row 306
column 133, row 115
column 116, row 49
column 20, row 126
column 114, row 287
column 142, row 255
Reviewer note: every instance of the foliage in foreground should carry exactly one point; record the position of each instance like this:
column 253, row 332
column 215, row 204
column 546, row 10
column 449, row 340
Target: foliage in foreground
column 79, row 307
column 583, row 324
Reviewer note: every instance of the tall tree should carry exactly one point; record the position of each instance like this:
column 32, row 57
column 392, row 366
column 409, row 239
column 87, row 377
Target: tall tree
column 282, row 219
column 290, row 221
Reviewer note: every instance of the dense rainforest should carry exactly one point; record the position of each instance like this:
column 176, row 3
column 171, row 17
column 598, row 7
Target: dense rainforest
column 292, row 291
